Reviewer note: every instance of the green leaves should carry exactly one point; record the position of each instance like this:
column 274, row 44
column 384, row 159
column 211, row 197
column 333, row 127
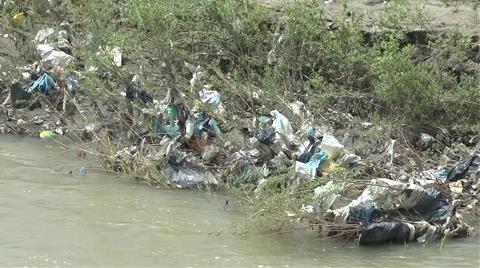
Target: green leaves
column 409, row 88
column 293, row 49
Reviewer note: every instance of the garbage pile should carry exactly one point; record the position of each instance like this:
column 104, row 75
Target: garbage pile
column 47, row 77
column 394, row 211
column 423, row 209
column 189, row 139
column 190, row 147
column 195, row 153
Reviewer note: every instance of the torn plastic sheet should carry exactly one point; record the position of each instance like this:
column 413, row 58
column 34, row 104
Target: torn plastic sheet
column 266, row 135
column 243, row 170
column 385, row 195
column 460, row 169
column 434, row 207
column 187, row 176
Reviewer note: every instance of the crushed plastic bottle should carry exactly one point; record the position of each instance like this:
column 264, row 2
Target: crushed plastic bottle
column 47, row 134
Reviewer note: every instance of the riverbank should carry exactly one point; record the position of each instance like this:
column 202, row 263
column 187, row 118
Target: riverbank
column 273, row 91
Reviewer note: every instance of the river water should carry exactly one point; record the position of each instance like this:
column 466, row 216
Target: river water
column 49, row 217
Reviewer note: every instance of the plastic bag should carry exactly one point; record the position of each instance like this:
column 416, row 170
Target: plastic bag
column 19, row 17
column 266, row 135
column 351, row 160
column 317, row 160
column 283, row 128
column 62, row 40
column 459, row 171
column 387, row 232
column 212, row 124
column 47, row 134
column 43, row 35
column 305, row 170
column 331, row 146
column 297, row 107
column 196, row 81
column 189, row 128
column 185, row 175
column 57, row 58
column 211, row 97
column 117, row 56
column 44, row 49
column 44, row 84
column 72, row 84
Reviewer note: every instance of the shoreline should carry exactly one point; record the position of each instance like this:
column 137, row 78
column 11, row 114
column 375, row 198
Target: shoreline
column 294, row 155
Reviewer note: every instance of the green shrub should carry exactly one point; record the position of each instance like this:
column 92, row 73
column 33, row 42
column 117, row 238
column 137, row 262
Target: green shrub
column 288, row 51
column 410, row 89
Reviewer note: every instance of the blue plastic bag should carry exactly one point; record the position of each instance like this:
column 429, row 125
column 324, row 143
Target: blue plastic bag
column 317, row 159
column 44, row 84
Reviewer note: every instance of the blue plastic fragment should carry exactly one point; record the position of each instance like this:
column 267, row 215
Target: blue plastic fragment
column 83, row 171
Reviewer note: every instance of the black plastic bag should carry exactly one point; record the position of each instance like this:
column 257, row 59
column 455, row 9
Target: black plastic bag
column 266, row 135
column 381, row 232
column 18, row 92
column 460, row 169
column 434, row 207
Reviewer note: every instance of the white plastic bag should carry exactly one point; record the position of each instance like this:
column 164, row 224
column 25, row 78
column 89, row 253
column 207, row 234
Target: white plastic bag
column 305, row 170
column 43, row 34
column 297, row 107
column 189, row 128
column 211, row 97
column 283, row 128
column 44, row 49
column 196, row 81
column 331, row 146
column 57, row 58
column 117, row 56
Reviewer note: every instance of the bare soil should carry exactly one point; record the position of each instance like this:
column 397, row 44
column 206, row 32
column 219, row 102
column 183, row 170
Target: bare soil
column 459, row 15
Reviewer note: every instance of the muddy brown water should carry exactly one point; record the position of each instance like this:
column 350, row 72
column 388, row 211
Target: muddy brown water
column 49, row 217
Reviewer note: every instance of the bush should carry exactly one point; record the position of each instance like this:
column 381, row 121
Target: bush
column 410, row 89
column 291, row 51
